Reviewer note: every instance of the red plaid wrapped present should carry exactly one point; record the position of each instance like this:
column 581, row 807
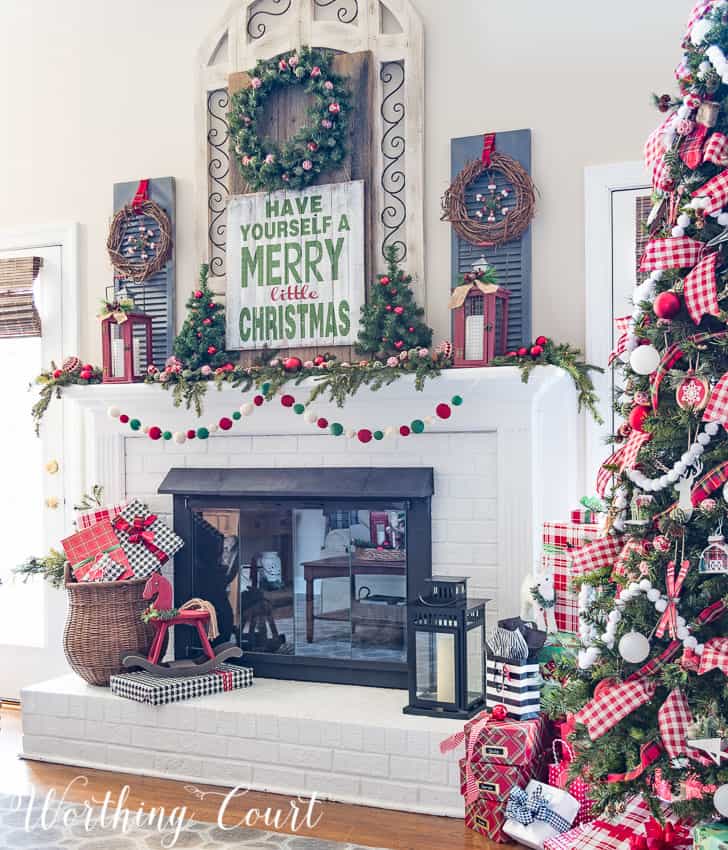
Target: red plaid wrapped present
column 89, row 518
column 560, row 540
column 147, row 541
column 559, row 778
column 566, row 536
column 86, row 548
column 485, row 814
column 495, row 780
column 518, row 742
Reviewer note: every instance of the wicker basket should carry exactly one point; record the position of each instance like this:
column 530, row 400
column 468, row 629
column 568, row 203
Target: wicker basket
column 365, row 553
column 104, row 623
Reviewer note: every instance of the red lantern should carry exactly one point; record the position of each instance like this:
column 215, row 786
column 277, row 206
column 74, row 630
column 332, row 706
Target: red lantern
column 126, row 348
column 480, row 325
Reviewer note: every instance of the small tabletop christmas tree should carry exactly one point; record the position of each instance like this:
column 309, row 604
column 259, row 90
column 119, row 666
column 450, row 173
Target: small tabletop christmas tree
column 201, row 342
column 391, row 322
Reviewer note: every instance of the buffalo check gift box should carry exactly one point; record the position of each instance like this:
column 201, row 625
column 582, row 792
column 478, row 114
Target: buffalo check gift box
column 560, row 540
column 538, row 812
column 160, row 690
column 95, row 554
column 146, row 540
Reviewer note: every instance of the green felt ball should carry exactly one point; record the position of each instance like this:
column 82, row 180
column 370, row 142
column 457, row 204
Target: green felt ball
column 237, row 415
column 299, row 408
column 265, row 389
column 135, row 424
column 378, row 435
column 457, row 400
column 336, row 428
column 202, row 433
column 418, row 426
column 167, row 435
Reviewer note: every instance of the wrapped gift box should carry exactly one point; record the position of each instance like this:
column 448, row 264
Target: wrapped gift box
column 516, row 685
column 91, row 549
column 487, row 814
column 562, row 807
column 558, row 775
column 494, row 781
column 515, row 742
column 86, row 519
column 147, row 541
column 559, row 540
column 710, row 836
column 160, row 690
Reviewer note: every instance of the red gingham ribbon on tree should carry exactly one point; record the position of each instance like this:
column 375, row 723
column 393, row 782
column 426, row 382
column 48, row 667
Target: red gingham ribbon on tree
column 630, row 547
column 673, row 720
column 488, row 148
column 714, row 656
column 716, row 191
column 699, row 10
column 654, row 154
column 593, row 556
column 138, row 532
column 716, row 149
column 699, row 289
column 141, row 194
column 669, row 358
column 674, row 252
column 604, row 476
column 709, row 483
column 668, row 620
column 619, row 348
column 632, row 447
column 717, row 409
column 603, row 712
column 691, row 149
column 649, row 753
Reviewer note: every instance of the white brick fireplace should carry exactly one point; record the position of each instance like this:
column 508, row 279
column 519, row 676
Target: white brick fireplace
column 506, row 460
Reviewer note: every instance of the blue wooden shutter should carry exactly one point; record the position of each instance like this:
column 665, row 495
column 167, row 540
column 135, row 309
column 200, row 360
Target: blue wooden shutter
column 511, row 260
column 156, row 295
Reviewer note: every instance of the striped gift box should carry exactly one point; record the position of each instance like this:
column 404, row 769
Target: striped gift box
column 514, row 684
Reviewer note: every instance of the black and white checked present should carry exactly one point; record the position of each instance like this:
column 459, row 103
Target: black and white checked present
column 160, row 690
column 146, row 540
column 514, row 684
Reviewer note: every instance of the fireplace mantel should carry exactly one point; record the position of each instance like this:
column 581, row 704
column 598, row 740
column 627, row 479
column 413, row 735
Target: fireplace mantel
column 536, row 426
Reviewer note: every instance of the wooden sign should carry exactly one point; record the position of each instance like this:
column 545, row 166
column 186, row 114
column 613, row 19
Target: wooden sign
column 295, row 267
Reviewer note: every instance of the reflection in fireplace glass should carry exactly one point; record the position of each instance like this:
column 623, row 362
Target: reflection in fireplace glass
column 305, row 581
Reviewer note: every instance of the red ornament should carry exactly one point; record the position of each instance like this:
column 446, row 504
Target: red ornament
column 536, row 350
column 318, row 360
column 411, row 330
column 199, row 335
column 388, row 307
column 211, row 349
column 404, row 430
column 666, row 305
column 398, row 344
column 393, row 291
column 692, row 393
column 522, row 351
column 637, row 416
column 443, row 410
column 322, row 422
column 225, row 423
column 191, row 434
column 292, row 364
column 364, row 435
column 207, row 321
column 57, row 373
column 258, row 400
column 384, row 280
column 212, row 305
column 541, row 340
column 88, row 367
column 512, row 354
column 399, row 310
column 287, row 400
column 499, row 712
column 154, row 433
column 198, row 293
column 124, row 418
column 85, row 374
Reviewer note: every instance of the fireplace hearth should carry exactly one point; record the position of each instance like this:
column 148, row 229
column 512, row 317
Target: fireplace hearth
column 309, row 570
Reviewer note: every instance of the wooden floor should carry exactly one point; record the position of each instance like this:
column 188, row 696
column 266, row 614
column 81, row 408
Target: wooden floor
column 340, row 822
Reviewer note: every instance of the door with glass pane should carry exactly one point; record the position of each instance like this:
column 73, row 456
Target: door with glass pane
column 31, row 499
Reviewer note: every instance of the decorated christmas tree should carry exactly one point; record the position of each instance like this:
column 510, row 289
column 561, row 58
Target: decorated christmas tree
column 201, row 342
column 391, row 321
column 651, row 676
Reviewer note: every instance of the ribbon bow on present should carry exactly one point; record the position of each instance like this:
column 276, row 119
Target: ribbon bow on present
column 660, row 837
column 527, row 808
column 138, row 532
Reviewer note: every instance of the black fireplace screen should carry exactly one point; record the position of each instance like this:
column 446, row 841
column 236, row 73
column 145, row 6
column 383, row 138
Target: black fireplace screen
column 309, row 588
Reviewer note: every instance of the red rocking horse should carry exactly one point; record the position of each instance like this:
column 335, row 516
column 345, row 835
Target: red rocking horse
column 197, row 613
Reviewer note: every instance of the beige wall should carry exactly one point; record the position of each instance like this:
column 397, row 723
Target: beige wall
column 95, row 91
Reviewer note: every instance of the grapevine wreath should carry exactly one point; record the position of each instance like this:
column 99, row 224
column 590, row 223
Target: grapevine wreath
column 136, row 249
column 517, row 216
column 316, row 147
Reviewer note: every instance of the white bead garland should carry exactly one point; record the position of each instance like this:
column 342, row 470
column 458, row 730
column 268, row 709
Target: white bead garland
column 654, row 485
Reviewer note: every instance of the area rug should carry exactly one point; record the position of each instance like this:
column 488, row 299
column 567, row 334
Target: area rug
column 20, row 830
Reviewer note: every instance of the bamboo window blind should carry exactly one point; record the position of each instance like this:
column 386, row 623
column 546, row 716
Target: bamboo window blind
column 18, row 313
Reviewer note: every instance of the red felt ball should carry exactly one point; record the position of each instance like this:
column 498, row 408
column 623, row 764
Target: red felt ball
column 536, row 350
column 57, row 373
column 541, row 340
column 211, row 349
column 124, row 418
column 225, row 423
column 404, row 430
column 198, row 293
column 292, row 364
column 191, row 434
column 637, row 417
column 499, row 712
column 322, row 422
column 443, row 410
column 154, row 433
column 522, row 351
column 364, row 435
column 258, row 400
column 666, row 305
column 287, row 400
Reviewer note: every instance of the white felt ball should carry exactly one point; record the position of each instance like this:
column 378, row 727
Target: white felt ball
column 114, row 412
column 592, row 653
column 609, row 643
column 704, row 439
column 644, row 359
column 584, row 664
column 712, row 428
column 653, row 595
column 616, row 616
column 351, row 433
column 247, row 408
column 633, row 587
column 145, row 429
column 661, row 605
column 720, row 800
column 684, row 220
column 690, row 642
column 680, row 622
column 699, row 649
column 723, row 219
column 704, row 67
column 389, row 430
column 683, row 633
column 634, row 647
column 179, row 436
column 700, row 29
column 645, row 585
column 310, row 416
column 677, row 232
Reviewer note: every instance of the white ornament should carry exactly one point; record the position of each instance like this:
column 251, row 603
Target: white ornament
column 677, row 232
column 634, row 647
column 633, row 587
column 247, row 408
column 723, row 219
column 684, row 220
column 644, row 359
column 114, row 412
column 725, row 492
column 179, row 437
column 700, row 30
column 720, row 800
column 645, row 585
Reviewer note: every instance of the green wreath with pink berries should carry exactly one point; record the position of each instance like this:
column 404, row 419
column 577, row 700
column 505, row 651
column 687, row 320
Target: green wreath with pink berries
column 317, row 147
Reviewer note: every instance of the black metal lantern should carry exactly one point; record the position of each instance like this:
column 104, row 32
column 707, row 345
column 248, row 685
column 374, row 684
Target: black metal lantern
column 446, row 643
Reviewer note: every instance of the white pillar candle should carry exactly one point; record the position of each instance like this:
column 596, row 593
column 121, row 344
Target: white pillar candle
column 445, row 659
column 117, row 357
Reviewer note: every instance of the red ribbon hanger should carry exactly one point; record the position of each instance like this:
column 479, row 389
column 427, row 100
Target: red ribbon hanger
column 488, row 148
column 141, row 195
